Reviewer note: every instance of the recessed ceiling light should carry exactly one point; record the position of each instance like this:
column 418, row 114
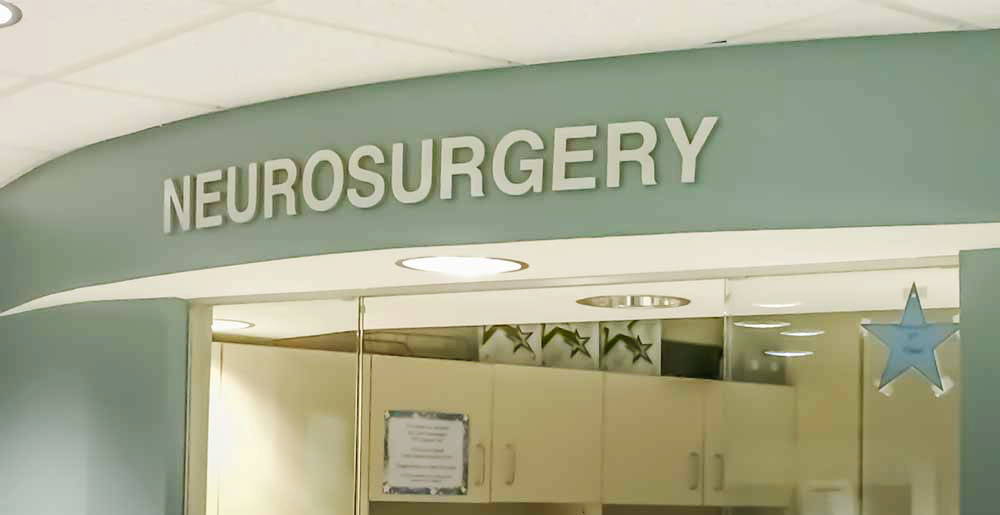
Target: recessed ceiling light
column 803, row 332
column 634, row 301
column 777, row 305
column 789, row 353
column 9, row 14
column 221, row 324
column 768, row 324
column 462, row 266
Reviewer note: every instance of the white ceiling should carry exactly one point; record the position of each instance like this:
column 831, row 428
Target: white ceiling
column 75, row 72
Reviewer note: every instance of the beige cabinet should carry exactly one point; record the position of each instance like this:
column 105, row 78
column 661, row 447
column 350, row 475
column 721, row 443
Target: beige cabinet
column 750, row 446
column 653, row 440
column 414, row 384
column 546, row 435
column 284, row 439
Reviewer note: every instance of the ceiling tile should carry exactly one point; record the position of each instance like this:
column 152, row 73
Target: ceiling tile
column 56, row 34
column 242, row 3
column 15, row 162
column 853, row 20
column 61, row 117
column 254, row 57
column 8, row 81
column 982, row 13
column 529, row 31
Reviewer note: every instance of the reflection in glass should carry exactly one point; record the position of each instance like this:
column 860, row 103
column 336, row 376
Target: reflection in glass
column 572, row 408
column 911, row 431
column 282, row 422
column 860, row 450
column 759, row 397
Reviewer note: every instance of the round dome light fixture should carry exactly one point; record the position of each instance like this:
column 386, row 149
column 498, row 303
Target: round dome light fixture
column 222, row 325
column 634, row 301
column 803, row 332
column 9, row 14
column 763, row 324
column 788, row 353
column 463, row 266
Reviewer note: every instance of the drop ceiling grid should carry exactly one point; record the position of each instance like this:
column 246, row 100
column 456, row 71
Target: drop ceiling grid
column 45, row 117
column 852, row 19
column 62, row 34
column 8, row 81
column 968, row 14
column 254, row 56
column 527, row 31
column 104, row 50
column 54, row 116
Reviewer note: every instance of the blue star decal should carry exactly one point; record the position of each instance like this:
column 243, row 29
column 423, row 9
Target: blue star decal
column 912, row 342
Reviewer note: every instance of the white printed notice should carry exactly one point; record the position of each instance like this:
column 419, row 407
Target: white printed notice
column 426, row 453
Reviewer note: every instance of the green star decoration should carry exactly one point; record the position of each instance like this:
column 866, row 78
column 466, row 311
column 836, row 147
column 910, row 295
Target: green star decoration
column 576, row 341
column 514, row 334
column 632, row 343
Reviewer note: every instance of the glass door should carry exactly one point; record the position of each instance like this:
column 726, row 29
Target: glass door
column 814, row 394
column 283, row 421
column 872, row 359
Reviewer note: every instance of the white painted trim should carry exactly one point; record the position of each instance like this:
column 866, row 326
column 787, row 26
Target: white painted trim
column 199, row 384
column 686, row 256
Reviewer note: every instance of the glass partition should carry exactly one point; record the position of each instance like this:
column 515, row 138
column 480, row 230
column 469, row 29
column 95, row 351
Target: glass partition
column 283, row 417
column 818, row 394
column 868, row 442
column 911, row 430
column 580, row 399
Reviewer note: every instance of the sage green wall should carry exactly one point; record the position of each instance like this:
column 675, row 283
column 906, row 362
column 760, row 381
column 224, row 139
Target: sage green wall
column 981, row 389
column 92, row 409
column 853, row 132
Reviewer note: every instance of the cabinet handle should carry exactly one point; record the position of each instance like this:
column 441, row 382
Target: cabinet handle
column 512, row 470
column 695, row 470
column 482, row 464
column 720, row 483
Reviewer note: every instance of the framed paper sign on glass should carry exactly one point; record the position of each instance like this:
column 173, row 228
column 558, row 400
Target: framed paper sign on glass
column 426, row 453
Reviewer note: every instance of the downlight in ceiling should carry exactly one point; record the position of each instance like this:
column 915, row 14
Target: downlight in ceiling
column 763, row 324
column 462, row 266
column 221, row 325
column 803, row 332
column 9, row 14
column 634, row 301
column 788, row 353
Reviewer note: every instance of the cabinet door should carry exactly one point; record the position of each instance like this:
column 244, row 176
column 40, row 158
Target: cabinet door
column 546, row 435
column 455, row 387
column 750, row 445
column 286, row 437
column 653, row 439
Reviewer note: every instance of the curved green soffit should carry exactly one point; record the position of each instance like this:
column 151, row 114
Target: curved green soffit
column 854, row 132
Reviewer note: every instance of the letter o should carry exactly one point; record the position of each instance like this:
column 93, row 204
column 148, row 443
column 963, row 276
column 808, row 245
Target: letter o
column 337, row 166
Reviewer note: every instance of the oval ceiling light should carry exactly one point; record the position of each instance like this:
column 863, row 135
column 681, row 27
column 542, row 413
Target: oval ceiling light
column 764, row 324
column 803, row 332
column 9, row 14
column 462, row 266
column 777, row 305
column 634, row 301
column 222, row 325
column 788, row 353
